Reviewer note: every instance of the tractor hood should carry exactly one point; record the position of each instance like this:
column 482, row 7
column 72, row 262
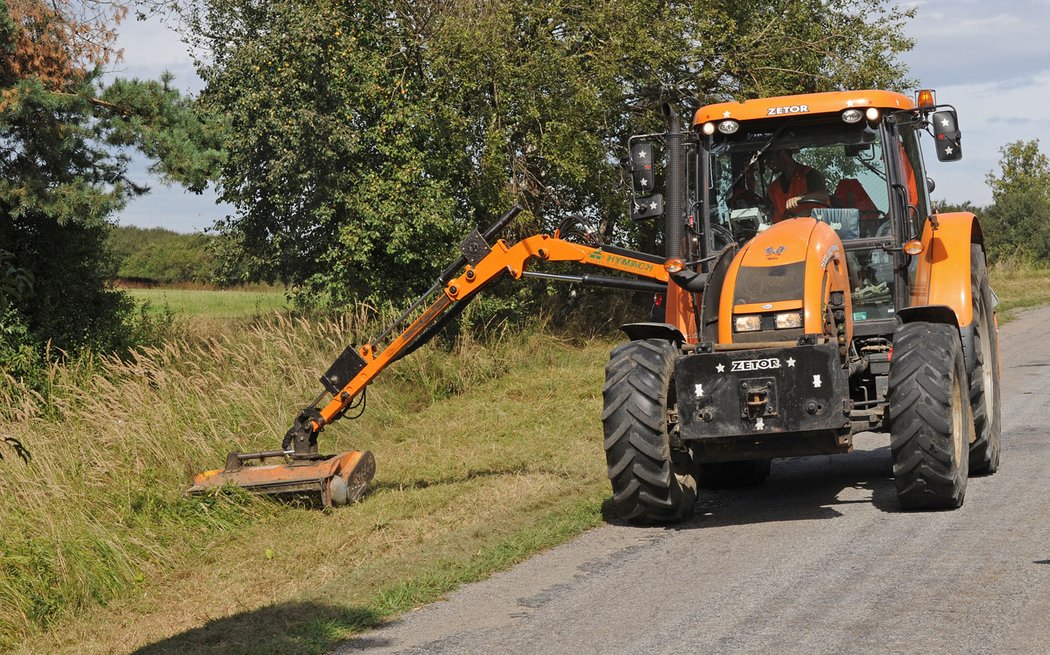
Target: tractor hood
column 791, row 267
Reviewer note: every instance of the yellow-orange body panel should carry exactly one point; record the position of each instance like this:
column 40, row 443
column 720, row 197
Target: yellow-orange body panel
column 942, row 274
column 795, row 105
column 789, row 242
column 759, row 307
column 679, row 312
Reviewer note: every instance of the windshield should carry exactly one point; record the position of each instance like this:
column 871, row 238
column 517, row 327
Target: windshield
column 837, row 166
column 834, row 172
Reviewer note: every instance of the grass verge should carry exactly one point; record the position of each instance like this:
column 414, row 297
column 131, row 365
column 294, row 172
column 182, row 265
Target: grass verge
column 487, row 453
column 1019, row 286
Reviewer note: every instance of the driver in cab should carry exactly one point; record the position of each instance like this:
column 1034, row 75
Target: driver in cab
column 795, row 184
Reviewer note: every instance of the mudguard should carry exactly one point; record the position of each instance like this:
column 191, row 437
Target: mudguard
column 942, row 273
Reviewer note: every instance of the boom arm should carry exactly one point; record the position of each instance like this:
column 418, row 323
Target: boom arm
column 347, row 377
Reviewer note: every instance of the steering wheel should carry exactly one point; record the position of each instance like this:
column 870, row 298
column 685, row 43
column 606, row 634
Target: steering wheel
column 884, row 228
column 805, row 205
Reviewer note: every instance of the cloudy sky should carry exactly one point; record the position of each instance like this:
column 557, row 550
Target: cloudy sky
column 991, row 60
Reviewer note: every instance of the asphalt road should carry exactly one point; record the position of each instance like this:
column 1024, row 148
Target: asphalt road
column 818, row 560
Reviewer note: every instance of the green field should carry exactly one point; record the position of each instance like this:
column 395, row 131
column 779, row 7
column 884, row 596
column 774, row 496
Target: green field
column 212, row 304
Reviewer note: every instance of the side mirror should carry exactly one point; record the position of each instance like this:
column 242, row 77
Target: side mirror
column 930, row 184
column 947, row 135
column 651, row 207
column 644, row 202
column 642, row 168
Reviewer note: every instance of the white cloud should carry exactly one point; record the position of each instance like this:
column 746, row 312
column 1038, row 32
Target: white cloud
column 150, row 48
column 992, row 62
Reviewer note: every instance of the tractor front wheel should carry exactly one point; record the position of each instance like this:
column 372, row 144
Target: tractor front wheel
column 651, row 482
column 930, row 420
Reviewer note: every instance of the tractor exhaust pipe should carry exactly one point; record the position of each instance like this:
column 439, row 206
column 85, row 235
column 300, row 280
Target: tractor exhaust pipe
column 673, row 233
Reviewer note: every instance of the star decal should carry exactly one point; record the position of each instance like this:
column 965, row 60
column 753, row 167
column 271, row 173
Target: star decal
column 652, row 205
column 641, row 154
column 726, row 114
column 945, row 122
column 790, row 361
column 721, row 368
column 644, row 182
column 949, row 150
column 849, row 103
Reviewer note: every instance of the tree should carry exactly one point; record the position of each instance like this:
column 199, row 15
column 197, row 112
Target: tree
column 1018, row 222
column 365, row 138
column 63, row 160
column 162, row 256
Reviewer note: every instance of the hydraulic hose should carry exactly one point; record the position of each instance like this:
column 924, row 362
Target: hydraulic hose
column 675, row 227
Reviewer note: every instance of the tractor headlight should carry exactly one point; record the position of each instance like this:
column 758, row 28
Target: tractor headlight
column 787, row 320
column 751, row 323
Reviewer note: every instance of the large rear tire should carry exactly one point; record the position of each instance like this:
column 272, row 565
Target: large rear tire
column 728, row 475
column 984, row 380
column 930, row 419
column 651, row 483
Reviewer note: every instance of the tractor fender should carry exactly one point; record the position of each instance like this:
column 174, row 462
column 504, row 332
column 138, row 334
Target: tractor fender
column 946, row 315
column 942, row 274
column 665, row 331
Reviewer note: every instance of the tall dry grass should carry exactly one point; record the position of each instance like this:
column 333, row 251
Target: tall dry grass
column 99, row 510
column 1020, row 284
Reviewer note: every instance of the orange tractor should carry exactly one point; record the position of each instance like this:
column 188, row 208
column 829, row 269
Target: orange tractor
column 804, row 302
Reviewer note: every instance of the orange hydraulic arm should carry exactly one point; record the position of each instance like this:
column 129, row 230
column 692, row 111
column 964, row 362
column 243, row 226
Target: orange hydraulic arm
column 481, row 264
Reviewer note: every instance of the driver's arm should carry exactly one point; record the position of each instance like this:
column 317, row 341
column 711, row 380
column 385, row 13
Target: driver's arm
column 817, row 191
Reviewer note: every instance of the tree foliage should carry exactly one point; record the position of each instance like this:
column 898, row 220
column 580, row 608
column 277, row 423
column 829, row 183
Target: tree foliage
column 1018, row 222
column 64, row 144
column 161, row 256
column 365, row 138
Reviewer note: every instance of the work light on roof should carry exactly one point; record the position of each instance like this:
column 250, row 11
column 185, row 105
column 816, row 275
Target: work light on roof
column 708, row 129
column 872, row 114
column 852, row 115
column 728, row 127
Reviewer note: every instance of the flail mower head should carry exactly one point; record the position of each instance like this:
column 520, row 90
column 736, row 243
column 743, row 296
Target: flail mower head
column 335, row 480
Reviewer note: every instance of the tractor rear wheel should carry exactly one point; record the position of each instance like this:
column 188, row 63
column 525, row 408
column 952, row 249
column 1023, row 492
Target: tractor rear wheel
column 984, row 380
column 727, row 475
column 930, row 419
column 651, row 482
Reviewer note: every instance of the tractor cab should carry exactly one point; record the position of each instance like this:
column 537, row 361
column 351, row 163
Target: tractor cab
column 859, row 152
